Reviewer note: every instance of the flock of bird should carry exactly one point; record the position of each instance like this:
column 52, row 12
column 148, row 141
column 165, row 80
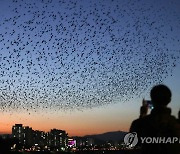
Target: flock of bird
column 75, row 54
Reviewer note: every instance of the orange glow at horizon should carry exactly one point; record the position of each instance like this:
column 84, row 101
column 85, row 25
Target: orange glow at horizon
column 79, row 132
column 75, row 124
column 6, row 128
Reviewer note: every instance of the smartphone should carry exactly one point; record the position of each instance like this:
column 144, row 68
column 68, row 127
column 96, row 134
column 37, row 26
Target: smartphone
column 149, row 103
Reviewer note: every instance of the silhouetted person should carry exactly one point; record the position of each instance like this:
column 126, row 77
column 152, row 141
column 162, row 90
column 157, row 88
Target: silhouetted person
column 160, row 123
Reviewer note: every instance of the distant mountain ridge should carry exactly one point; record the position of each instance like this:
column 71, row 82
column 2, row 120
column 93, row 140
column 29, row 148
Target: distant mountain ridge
column 114, row 136
column 109, row 136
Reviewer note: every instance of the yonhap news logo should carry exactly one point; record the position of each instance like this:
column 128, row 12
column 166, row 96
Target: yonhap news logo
column 131, row 139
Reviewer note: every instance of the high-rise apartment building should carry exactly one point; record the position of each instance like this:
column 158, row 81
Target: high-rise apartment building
column 29, row 137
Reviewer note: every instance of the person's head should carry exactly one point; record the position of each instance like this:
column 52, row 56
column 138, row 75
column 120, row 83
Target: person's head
column 160, row 95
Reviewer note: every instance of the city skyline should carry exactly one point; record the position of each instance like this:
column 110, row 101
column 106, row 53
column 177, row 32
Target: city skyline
column 29, row 137
column 24, row 138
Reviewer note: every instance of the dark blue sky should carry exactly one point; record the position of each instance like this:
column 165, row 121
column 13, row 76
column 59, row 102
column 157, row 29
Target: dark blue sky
column 68, row 55
column 76, row 54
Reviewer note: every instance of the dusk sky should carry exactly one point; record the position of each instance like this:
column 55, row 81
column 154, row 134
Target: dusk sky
column 85, row 66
